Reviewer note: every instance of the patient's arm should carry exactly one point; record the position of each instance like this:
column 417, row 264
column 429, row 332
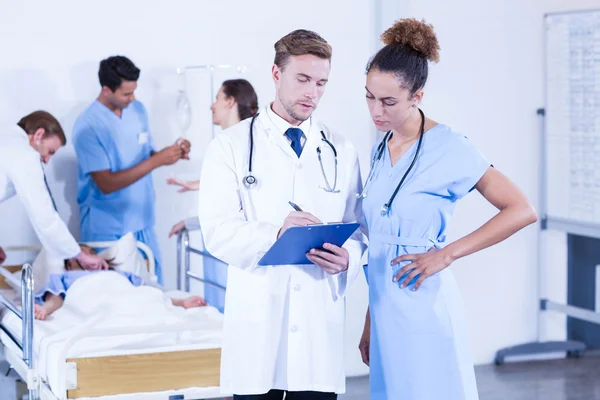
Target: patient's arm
column 52, row 303
column 190, row 302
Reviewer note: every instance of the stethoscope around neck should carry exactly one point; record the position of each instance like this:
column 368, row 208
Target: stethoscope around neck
column 250, row 180
column 377, row 158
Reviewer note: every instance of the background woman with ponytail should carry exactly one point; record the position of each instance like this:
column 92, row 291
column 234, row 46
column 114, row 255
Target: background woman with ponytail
column 236, row 101
column 415, row 337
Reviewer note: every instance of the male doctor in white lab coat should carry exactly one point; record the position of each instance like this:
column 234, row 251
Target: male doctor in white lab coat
column 284, row 325
column 23, row 149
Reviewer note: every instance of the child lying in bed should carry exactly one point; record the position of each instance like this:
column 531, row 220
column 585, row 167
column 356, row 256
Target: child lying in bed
column 51, row 298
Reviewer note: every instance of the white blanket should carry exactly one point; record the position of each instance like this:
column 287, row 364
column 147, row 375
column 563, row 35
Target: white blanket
column 104, row 302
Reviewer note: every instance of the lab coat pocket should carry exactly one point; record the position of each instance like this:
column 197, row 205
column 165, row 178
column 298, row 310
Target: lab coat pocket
column 416, row 311
column 336, row 310
column 247, row 295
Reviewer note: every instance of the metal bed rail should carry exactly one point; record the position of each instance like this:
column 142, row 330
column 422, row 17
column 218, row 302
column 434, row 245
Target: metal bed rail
column 25, row 313
column 184, row 273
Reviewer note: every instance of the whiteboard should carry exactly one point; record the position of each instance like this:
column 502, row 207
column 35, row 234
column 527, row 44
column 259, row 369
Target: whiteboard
column 572, row 123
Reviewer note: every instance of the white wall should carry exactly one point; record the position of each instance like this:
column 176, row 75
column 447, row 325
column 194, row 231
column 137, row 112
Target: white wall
column 50, row 54
column 488, row 85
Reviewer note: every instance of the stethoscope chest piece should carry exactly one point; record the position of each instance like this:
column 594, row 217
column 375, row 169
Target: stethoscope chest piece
column 250, row 181
column 385, row 209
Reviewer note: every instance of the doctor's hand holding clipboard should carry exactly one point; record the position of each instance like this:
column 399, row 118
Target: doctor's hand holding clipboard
column 333, row 259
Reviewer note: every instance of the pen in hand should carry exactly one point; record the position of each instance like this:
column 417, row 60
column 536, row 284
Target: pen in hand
column 295, row 206
column 312, row 222
column 304, row 219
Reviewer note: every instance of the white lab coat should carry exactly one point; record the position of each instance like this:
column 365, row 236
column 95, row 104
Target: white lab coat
column 284, row 325
column 21, row 174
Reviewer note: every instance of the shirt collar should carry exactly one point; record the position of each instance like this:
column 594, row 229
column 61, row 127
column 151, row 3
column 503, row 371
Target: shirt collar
column 282, row 125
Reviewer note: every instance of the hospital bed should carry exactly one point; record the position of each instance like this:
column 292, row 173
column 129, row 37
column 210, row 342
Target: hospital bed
column 173, row 372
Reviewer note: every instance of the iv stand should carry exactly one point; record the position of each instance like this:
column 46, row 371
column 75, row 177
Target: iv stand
column 211, row 68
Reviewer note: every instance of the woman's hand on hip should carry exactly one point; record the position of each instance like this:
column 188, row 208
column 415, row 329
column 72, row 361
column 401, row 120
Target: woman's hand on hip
column 425, row 265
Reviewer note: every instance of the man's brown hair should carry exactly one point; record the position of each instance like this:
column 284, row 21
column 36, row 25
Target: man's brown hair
column 298, row 43
column 42, row 119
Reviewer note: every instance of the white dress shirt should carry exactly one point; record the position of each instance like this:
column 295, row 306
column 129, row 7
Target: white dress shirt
column 282, row 125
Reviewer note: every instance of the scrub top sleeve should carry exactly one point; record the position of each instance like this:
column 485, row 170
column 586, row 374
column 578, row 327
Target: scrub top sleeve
column 151, row 143
column 469, row 165
column 90, row 151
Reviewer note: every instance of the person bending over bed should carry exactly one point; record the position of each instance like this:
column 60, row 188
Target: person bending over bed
column 51, row 298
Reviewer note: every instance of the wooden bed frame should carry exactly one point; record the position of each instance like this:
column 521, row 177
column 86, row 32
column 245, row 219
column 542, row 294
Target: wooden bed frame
column 12, row 269
column 152, row 372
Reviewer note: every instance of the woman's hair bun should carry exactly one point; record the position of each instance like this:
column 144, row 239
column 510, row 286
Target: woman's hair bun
column 415, row 34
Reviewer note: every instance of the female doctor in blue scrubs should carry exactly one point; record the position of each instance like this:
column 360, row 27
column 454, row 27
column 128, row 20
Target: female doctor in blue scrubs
column 415, row 325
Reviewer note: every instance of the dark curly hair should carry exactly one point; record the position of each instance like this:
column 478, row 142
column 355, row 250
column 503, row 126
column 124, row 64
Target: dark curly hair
column 409, row 46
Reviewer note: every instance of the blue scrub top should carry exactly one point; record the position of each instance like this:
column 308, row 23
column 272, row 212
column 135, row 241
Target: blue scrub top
column 104, row 141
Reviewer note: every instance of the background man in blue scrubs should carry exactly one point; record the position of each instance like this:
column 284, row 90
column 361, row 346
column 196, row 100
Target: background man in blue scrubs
column 116, row 156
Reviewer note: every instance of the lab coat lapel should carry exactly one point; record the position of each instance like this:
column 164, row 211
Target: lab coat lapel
column 275, row 136
column 312, row 138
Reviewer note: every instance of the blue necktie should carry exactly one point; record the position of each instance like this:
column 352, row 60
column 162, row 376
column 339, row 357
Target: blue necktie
column 295, row 134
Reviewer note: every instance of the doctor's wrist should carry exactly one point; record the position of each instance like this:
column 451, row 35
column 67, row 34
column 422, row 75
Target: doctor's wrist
column 342, row 270
column 154, row 161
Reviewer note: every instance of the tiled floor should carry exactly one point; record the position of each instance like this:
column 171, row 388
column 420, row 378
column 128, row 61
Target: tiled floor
column 568, row 379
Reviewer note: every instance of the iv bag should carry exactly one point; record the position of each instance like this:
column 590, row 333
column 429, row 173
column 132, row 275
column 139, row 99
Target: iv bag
column 184, row 112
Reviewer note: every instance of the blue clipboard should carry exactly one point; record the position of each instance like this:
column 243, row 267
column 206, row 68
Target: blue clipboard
column 291, row 248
